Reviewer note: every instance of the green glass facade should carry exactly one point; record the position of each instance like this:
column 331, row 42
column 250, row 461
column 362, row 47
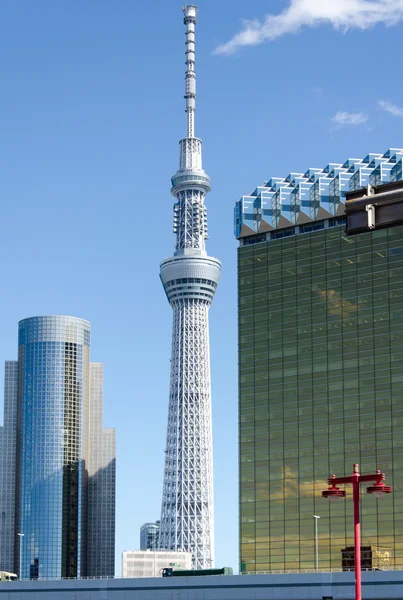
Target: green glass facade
column 320, row 388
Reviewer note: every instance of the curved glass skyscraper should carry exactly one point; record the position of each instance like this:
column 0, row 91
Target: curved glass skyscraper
column 57, row 461
column 54, row 359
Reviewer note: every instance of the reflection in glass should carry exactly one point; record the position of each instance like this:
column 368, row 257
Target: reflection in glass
column 320, row 388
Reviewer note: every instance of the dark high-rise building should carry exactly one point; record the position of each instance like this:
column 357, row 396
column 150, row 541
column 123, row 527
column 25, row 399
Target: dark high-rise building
column 58, row 464
column 320, row 368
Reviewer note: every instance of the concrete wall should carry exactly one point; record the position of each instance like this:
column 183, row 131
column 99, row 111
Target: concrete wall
column 377, row 585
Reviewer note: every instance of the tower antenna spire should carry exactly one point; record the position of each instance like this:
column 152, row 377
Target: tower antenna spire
column 190, row 12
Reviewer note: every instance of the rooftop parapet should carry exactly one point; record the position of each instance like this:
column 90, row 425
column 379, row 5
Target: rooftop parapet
column 317, row 195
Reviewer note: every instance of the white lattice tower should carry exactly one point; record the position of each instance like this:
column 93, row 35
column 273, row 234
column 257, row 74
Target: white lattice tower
column 190, row 279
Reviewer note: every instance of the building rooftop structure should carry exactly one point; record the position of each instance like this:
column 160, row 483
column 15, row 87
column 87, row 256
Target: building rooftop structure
column 290, row 205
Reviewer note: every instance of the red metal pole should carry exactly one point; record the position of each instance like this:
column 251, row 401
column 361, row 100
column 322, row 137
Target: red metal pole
column 357, row 536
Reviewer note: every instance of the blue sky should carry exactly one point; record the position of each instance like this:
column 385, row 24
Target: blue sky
column 91, row 114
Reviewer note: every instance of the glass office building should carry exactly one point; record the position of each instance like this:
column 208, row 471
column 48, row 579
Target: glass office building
column 8, row 435
column 149, row 536
column 101, row 483
column 320, row 369
column 54, row 359
column 56, row 459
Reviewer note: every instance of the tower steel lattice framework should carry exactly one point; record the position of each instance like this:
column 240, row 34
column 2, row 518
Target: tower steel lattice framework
column 190, row 278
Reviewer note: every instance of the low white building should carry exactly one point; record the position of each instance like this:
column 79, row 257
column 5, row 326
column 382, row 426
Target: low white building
column 149, row 563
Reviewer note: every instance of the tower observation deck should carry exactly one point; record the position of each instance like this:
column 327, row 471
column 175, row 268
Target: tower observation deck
column 190, row 278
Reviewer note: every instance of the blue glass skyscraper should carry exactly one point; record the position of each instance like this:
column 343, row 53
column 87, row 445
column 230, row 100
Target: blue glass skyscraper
column 54, row 356
column 62, row 469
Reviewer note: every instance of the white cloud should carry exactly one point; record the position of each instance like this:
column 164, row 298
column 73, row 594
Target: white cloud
column 341, row 14
column 390, row 108
column 345, row 118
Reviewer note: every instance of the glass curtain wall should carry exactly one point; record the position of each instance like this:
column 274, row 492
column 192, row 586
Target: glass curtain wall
column 320, row 388
column 53, row 363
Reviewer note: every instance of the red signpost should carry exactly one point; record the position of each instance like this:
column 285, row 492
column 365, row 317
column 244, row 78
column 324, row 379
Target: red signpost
column 379, row 489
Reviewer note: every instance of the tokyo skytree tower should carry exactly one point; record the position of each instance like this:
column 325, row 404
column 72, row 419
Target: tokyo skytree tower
column 190, row 278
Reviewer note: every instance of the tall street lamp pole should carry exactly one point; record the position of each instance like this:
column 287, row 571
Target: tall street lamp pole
column 316, row 517
column 20, row 535
column 379, row 489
